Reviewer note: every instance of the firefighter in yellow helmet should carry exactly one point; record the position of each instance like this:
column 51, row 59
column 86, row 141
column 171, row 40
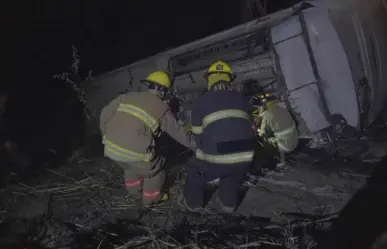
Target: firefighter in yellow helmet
column 223, row 132
column 158, row 83
column 131, row 125
column 274, row 124
column 219, row 76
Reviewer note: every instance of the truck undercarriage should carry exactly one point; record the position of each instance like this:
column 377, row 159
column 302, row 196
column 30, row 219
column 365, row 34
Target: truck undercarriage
column 288, row 53
column 256, row 62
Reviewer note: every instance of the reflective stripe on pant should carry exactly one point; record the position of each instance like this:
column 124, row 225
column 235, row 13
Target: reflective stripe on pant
column 287, row 140
column 152, row 179
column 133, row 185
column 201, row 172
column 151, row 194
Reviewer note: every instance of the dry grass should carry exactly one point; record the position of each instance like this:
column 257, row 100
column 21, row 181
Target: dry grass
column 213, row 232
column 180, row 229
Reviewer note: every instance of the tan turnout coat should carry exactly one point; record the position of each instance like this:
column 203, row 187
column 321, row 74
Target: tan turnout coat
column 131, row 133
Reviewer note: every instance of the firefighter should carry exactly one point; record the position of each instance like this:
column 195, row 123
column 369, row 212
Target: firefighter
column 223, row 132
column 275, row 125
column 131, row 125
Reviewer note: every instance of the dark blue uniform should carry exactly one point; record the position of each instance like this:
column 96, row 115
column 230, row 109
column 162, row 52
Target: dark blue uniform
column 225, row 139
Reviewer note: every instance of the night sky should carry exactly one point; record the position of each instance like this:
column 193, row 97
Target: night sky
column 108, row 34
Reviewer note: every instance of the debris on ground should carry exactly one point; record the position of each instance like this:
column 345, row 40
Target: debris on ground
column 83, row 204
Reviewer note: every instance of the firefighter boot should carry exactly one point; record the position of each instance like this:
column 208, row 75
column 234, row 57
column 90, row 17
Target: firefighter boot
column 181, row 203
column 163, row 199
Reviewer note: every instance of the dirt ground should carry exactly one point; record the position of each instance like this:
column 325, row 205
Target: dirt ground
column 297, row 189
column 88, row 190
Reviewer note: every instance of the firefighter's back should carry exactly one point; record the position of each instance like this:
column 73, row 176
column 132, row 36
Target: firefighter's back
column 129, row 131
column 279, row 118
column 231, row 132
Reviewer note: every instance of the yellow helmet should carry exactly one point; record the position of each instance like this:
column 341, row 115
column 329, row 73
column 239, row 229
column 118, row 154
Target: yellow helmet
column 219, row 71
column 160, row 78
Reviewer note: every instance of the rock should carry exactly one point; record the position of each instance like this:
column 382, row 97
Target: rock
column 378, row 149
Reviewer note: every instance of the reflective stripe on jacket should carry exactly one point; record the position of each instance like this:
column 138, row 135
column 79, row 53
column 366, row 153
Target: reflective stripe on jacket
column 222, row 128
column 141, row 114
column 241, row 157
column 278, row 123
column 130, row 123
column 120, row 154
column 215, row 116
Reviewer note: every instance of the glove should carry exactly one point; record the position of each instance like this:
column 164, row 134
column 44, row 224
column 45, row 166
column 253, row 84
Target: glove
column 272, row 141
column 187, row 127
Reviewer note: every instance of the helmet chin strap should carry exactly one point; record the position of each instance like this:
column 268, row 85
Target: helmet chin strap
column 161, row 94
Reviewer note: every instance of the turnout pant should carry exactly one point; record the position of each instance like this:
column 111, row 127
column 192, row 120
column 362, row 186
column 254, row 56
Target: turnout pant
column 265, row 157
column 199, row 174
column 144, row 177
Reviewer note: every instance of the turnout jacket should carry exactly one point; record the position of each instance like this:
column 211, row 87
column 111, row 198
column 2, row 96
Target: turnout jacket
column 222, row 127
column 277, row 123
column 131, row 123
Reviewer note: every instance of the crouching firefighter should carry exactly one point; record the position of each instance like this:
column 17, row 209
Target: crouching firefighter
column 275, row 125
column 223, row 133
column 131, row 125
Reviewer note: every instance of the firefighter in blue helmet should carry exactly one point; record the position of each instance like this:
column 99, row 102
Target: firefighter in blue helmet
column 225, row 138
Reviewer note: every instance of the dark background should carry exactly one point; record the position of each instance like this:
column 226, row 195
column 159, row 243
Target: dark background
column 37, row 38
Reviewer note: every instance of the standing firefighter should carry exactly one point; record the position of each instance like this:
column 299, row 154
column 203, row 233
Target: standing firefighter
column 223, row 132
column 276, row 126
column 131, row 125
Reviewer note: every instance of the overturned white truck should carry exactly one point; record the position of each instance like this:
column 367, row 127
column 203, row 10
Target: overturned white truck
column 327, row 65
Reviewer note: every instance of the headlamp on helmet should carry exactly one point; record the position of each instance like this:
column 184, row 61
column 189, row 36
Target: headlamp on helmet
column 261, row 99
